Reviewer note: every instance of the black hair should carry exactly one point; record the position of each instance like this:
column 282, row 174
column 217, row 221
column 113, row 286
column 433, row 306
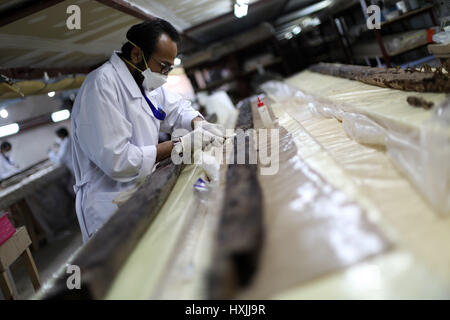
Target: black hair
column 5, row 145
column 146, row 35
column 62, row 132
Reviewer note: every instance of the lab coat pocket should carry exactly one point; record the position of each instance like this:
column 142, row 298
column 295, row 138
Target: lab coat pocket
column 99, row 208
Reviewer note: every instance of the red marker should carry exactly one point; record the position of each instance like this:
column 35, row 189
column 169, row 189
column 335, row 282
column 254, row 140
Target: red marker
column 260, row 103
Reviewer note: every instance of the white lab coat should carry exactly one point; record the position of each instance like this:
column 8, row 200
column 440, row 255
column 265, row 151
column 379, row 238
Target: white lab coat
column 7, row 167
column 114, row 138
column 64, row 154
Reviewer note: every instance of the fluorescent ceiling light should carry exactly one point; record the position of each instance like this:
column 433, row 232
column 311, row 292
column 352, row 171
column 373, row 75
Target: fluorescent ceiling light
column 310, row 22
column 177, row 61
column 296, row 30
column 288, row 35
column 4, row 113
column 9, row 129
column 51, row 94
column 60, row 115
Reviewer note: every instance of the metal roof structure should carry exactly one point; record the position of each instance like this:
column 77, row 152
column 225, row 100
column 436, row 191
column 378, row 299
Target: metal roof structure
column 35, row 37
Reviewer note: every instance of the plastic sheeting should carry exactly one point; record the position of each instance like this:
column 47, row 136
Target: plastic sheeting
column 311, row 226
column 418, row 265
column 417, row 140
column 396, row 275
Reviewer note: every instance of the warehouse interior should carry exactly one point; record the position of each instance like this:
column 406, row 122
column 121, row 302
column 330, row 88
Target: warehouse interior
column 341, row 109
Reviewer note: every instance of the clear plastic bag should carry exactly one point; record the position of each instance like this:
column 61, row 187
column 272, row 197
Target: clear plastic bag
column 435, row 156
column 280, row 91
column 363, row 130
column 421, row 152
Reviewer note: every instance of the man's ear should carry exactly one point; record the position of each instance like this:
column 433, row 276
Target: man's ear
column 136, row 55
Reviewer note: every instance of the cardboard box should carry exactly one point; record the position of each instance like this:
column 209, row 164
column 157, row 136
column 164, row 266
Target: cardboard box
column 13, row 248
column 440, row 50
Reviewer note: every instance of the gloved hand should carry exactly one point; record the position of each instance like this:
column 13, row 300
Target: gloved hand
column 197, row 139
column 209, row 163
column 216, row 129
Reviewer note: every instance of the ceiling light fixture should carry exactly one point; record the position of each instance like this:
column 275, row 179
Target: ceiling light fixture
column 60, row 115
column 9, row 129
column 4, row 113
column 296, row 30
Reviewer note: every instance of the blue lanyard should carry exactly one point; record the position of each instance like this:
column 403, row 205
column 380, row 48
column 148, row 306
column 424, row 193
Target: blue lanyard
column 7, row 159
column 158, row 113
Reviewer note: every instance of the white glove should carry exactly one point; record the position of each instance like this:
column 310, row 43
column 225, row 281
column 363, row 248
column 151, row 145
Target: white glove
column 215, row 129
column 209, row 164
column 195, row 140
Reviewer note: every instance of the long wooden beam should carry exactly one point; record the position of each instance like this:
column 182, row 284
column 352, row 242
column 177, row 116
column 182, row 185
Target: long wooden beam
column 395, row 78
column 240, row 231
column 101, row 258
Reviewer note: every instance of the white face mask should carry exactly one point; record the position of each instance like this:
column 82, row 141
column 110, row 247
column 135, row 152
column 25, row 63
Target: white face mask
column 7, row 154
column 153, row 80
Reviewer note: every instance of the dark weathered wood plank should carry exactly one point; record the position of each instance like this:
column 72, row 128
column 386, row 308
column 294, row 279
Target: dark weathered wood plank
column 102, row 256
column 240, row 230
column 395, row 78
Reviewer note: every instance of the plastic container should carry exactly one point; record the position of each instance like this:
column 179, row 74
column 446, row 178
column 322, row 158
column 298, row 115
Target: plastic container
column 6, row 229
column 264, row 114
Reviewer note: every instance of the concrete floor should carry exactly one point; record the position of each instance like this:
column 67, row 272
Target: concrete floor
column 48, row 260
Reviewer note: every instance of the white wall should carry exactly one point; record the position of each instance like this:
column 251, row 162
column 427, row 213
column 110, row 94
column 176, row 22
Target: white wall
column 31, row 146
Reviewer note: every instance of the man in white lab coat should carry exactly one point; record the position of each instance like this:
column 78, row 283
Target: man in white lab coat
column 7, row 166
column 64, row 154
column 116, row 119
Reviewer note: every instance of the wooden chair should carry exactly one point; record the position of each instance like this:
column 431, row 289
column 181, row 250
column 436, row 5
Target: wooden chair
column 15, row 247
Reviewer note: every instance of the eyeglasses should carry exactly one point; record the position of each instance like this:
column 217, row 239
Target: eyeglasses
column 165, row 67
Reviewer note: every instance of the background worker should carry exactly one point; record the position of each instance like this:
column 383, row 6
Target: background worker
column 7, row 165
column 64, row 154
